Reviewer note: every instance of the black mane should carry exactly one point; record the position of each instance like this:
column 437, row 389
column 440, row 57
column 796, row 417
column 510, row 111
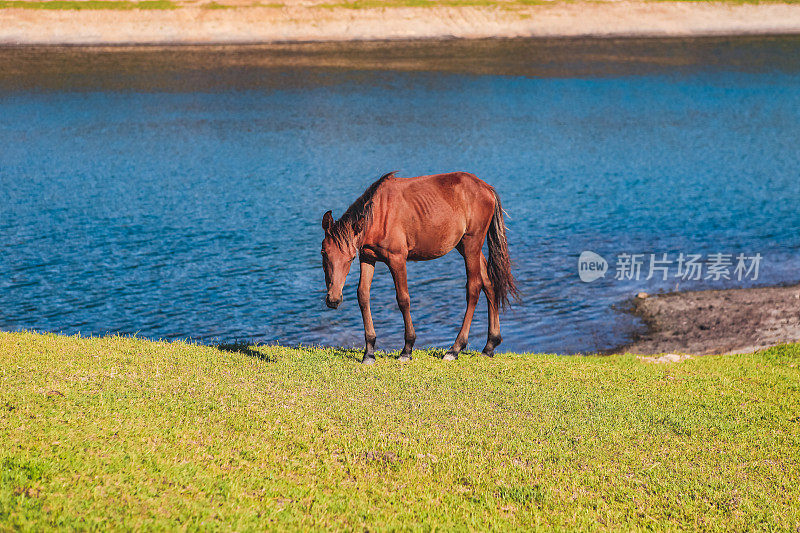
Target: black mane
column 344, row 229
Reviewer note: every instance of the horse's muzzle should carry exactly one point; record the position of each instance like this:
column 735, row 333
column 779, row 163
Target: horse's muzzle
column 333, row 304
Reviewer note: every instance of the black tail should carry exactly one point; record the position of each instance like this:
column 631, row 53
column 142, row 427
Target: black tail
column 499, row 262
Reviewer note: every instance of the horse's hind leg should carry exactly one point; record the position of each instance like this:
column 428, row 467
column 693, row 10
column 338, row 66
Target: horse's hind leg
column 470, row 248
column 494, row 337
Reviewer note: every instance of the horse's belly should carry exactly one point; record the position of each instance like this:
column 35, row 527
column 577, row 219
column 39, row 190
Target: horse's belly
column 427, row 255
column 433, row 244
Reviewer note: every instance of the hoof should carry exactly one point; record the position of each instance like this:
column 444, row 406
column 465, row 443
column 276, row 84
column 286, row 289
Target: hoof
column 404, row 358
column 488, row 354
column 450, row 356
column 368, row 361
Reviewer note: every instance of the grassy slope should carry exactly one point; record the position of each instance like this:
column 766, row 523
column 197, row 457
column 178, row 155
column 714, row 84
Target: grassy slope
column 137, row 434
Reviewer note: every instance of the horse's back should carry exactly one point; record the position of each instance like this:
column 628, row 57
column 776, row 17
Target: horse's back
column 451, row 181
column 431, row 214
column 460, row 190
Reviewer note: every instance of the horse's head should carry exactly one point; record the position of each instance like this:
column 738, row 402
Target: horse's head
column 338, row 251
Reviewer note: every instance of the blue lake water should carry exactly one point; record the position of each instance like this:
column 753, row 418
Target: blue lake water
column 185, row 202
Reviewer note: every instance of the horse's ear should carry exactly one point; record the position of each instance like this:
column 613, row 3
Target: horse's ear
column 327, row 222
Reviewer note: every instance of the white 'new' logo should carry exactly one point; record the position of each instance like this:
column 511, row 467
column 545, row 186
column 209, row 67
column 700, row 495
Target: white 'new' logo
column 591, row 266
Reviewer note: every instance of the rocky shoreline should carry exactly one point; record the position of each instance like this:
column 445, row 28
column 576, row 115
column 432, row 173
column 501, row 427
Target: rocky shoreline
column 717, row 321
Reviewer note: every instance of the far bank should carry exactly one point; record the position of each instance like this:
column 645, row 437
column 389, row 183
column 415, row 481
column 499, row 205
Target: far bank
column 114, row 22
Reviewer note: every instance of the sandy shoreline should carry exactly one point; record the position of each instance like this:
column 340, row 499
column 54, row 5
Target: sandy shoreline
column 718, row 321
column 296, row 22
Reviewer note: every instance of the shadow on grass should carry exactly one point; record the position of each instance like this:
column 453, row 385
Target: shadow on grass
column 356, row 354
column 349, row 354
column 246, row 349
column 438, row 353
column 352, row 354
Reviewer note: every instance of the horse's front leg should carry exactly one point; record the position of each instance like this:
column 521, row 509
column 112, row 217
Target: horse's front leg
column 397, row 266
column 367, row 269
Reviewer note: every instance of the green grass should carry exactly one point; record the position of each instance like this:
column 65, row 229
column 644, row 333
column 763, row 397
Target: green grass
column 123, row 5
column 123, row 433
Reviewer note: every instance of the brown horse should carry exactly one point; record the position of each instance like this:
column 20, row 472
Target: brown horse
column 417, row 219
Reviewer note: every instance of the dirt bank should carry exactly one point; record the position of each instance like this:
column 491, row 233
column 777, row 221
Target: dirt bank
column 296, row 20
column 720, row 321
